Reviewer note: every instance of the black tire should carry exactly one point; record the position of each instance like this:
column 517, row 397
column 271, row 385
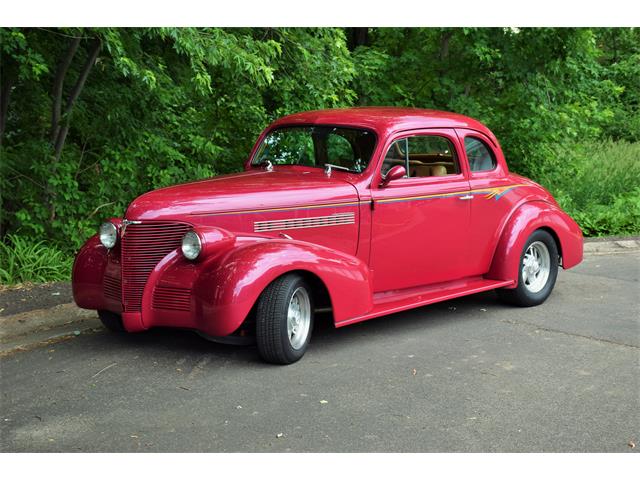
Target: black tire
column 521, row 296
column 272, row 337
column 111, row 321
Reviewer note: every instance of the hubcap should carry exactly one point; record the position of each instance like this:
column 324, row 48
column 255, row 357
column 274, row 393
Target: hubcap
column 536, row 266
column 298, row 318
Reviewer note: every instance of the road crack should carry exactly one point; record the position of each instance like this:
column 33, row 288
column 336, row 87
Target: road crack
column 571, row 334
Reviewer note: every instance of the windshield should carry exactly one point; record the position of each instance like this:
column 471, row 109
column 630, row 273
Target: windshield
column 345, row 148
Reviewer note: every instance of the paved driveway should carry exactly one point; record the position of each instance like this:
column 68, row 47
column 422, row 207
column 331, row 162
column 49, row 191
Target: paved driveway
column 465, row 375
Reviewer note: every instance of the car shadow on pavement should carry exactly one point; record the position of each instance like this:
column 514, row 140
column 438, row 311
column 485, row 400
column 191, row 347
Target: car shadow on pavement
column 462, row 309
column 177, row 342
column 325, row 335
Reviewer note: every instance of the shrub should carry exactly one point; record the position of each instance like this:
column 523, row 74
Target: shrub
column 23, row 260
column 597, row 184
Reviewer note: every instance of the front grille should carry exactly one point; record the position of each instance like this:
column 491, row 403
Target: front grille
column 112, row 287
column 143, row 246
column 172, row 298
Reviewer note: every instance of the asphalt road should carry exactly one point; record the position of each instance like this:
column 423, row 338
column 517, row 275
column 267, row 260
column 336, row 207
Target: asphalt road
column 465, row 375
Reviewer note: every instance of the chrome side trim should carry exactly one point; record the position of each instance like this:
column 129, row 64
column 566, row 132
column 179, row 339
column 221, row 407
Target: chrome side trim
column 307, row 222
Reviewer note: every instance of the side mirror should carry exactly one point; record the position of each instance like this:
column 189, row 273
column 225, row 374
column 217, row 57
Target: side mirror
column 394, row 173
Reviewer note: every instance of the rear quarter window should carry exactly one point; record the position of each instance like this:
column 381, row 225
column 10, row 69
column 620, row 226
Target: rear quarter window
column 479, row 154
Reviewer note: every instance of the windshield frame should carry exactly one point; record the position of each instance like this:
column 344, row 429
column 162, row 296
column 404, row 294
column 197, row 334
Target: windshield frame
column 269, row 131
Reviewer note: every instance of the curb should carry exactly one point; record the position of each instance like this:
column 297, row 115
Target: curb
column 49, row 337
column 601, row 247
column 33, row 321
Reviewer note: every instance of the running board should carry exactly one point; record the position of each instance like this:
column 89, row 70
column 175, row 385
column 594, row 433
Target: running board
column 386, row 303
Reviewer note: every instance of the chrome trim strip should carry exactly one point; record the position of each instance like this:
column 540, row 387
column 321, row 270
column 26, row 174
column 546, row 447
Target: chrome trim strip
column 307, row 222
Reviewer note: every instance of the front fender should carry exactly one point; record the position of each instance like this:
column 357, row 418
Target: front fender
column 526, row 219
column 229, row 287
column 88, row 273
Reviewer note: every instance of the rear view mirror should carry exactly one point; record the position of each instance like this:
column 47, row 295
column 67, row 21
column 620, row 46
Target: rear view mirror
column 394, row 173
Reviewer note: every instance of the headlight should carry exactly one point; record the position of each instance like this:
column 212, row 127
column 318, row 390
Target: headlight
column 191, row 245
column 108, row 234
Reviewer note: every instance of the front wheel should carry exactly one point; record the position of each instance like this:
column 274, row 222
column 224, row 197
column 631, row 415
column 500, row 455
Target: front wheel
column 111, row 321
column 537, row 273
column 284, row 320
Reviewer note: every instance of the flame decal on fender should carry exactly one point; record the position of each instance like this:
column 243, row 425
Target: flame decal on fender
column 496, row 192
column 489, row 193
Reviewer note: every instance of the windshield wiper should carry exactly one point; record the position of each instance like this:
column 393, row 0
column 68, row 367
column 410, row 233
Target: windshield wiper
column 329, row 166
column 268, row 166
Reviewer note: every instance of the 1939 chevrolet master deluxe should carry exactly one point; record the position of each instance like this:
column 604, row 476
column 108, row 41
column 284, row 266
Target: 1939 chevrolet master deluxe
column 361, row 212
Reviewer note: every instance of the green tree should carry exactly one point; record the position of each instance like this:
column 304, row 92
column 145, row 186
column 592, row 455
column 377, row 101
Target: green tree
column 92, row 117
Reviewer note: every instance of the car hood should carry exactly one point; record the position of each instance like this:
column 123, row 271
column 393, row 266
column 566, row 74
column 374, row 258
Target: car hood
column 246, row 191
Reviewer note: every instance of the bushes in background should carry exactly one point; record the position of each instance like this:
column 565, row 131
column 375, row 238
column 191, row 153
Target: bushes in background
column 92, row 117
column 598, row 184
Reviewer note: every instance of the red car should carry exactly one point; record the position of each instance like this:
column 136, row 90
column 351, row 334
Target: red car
column 361, row 212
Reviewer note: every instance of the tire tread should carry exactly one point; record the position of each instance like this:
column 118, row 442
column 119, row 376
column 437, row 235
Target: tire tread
column 520, row 296
column 272, row 308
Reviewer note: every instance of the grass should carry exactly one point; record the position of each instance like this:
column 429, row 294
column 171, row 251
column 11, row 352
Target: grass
column 598, row 184
column 23, row 260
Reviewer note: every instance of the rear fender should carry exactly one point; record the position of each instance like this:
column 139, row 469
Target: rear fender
column 526, row 219
column 230, row 286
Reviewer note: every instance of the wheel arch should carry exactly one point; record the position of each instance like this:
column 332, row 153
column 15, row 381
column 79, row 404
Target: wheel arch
column 341, row 281
column 527, row 218
column 556, row 239
column 322, row 296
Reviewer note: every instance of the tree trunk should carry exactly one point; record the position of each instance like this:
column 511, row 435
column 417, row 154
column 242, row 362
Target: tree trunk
column 444, row 45
column 58, row 84
column 357, row 36
column 9, row 77
column 73, row 96
column 63, row 118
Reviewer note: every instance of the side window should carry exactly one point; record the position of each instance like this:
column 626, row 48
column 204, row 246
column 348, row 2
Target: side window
column 423, row 156
column 480, row 155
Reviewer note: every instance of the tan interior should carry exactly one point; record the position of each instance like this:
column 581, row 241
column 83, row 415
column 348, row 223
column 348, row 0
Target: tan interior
column 419, row 168
column 438, row 171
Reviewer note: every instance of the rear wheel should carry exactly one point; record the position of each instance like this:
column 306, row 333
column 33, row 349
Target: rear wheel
column 284, row 320
column 111, row 321
column 537, row 273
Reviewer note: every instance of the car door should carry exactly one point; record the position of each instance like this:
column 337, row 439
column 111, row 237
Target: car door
column 419, row 233
column 493, row 197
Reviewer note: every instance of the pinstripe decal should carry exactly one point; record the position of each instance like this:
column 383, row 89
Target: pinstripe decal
column 489, row 193
column 282, row 209
column 494, row 192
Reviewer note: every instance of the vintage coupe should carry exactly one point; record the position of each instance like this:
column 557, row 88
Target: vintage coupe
column 361, row 212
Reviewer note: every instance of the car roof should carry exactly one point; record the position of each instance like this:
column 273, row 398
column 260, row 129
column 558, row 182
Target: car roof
column 384, row 119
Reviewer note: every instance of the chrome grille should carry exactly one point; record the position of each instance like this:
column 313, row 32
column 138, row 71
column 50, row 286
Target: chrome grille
column 172, row 298
column 112, row 287
column 143, row 246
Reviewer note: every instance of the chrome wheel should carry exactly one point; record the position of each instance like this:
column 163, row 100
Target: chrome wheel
column 298, row 318
column 536, row 266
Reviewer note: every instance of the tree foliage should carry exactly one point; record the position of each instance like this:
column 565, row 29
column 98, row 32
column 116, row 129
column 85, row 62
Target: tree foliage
column 92, row 117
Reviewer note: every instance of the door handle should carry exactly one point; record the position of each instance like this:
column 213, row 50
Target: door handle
column 466, row 197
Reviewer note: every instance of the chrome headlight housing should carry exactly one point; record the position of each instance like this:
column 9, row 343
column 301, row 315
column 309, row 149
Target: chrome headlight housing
column 191, row 245
column 108, row 234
